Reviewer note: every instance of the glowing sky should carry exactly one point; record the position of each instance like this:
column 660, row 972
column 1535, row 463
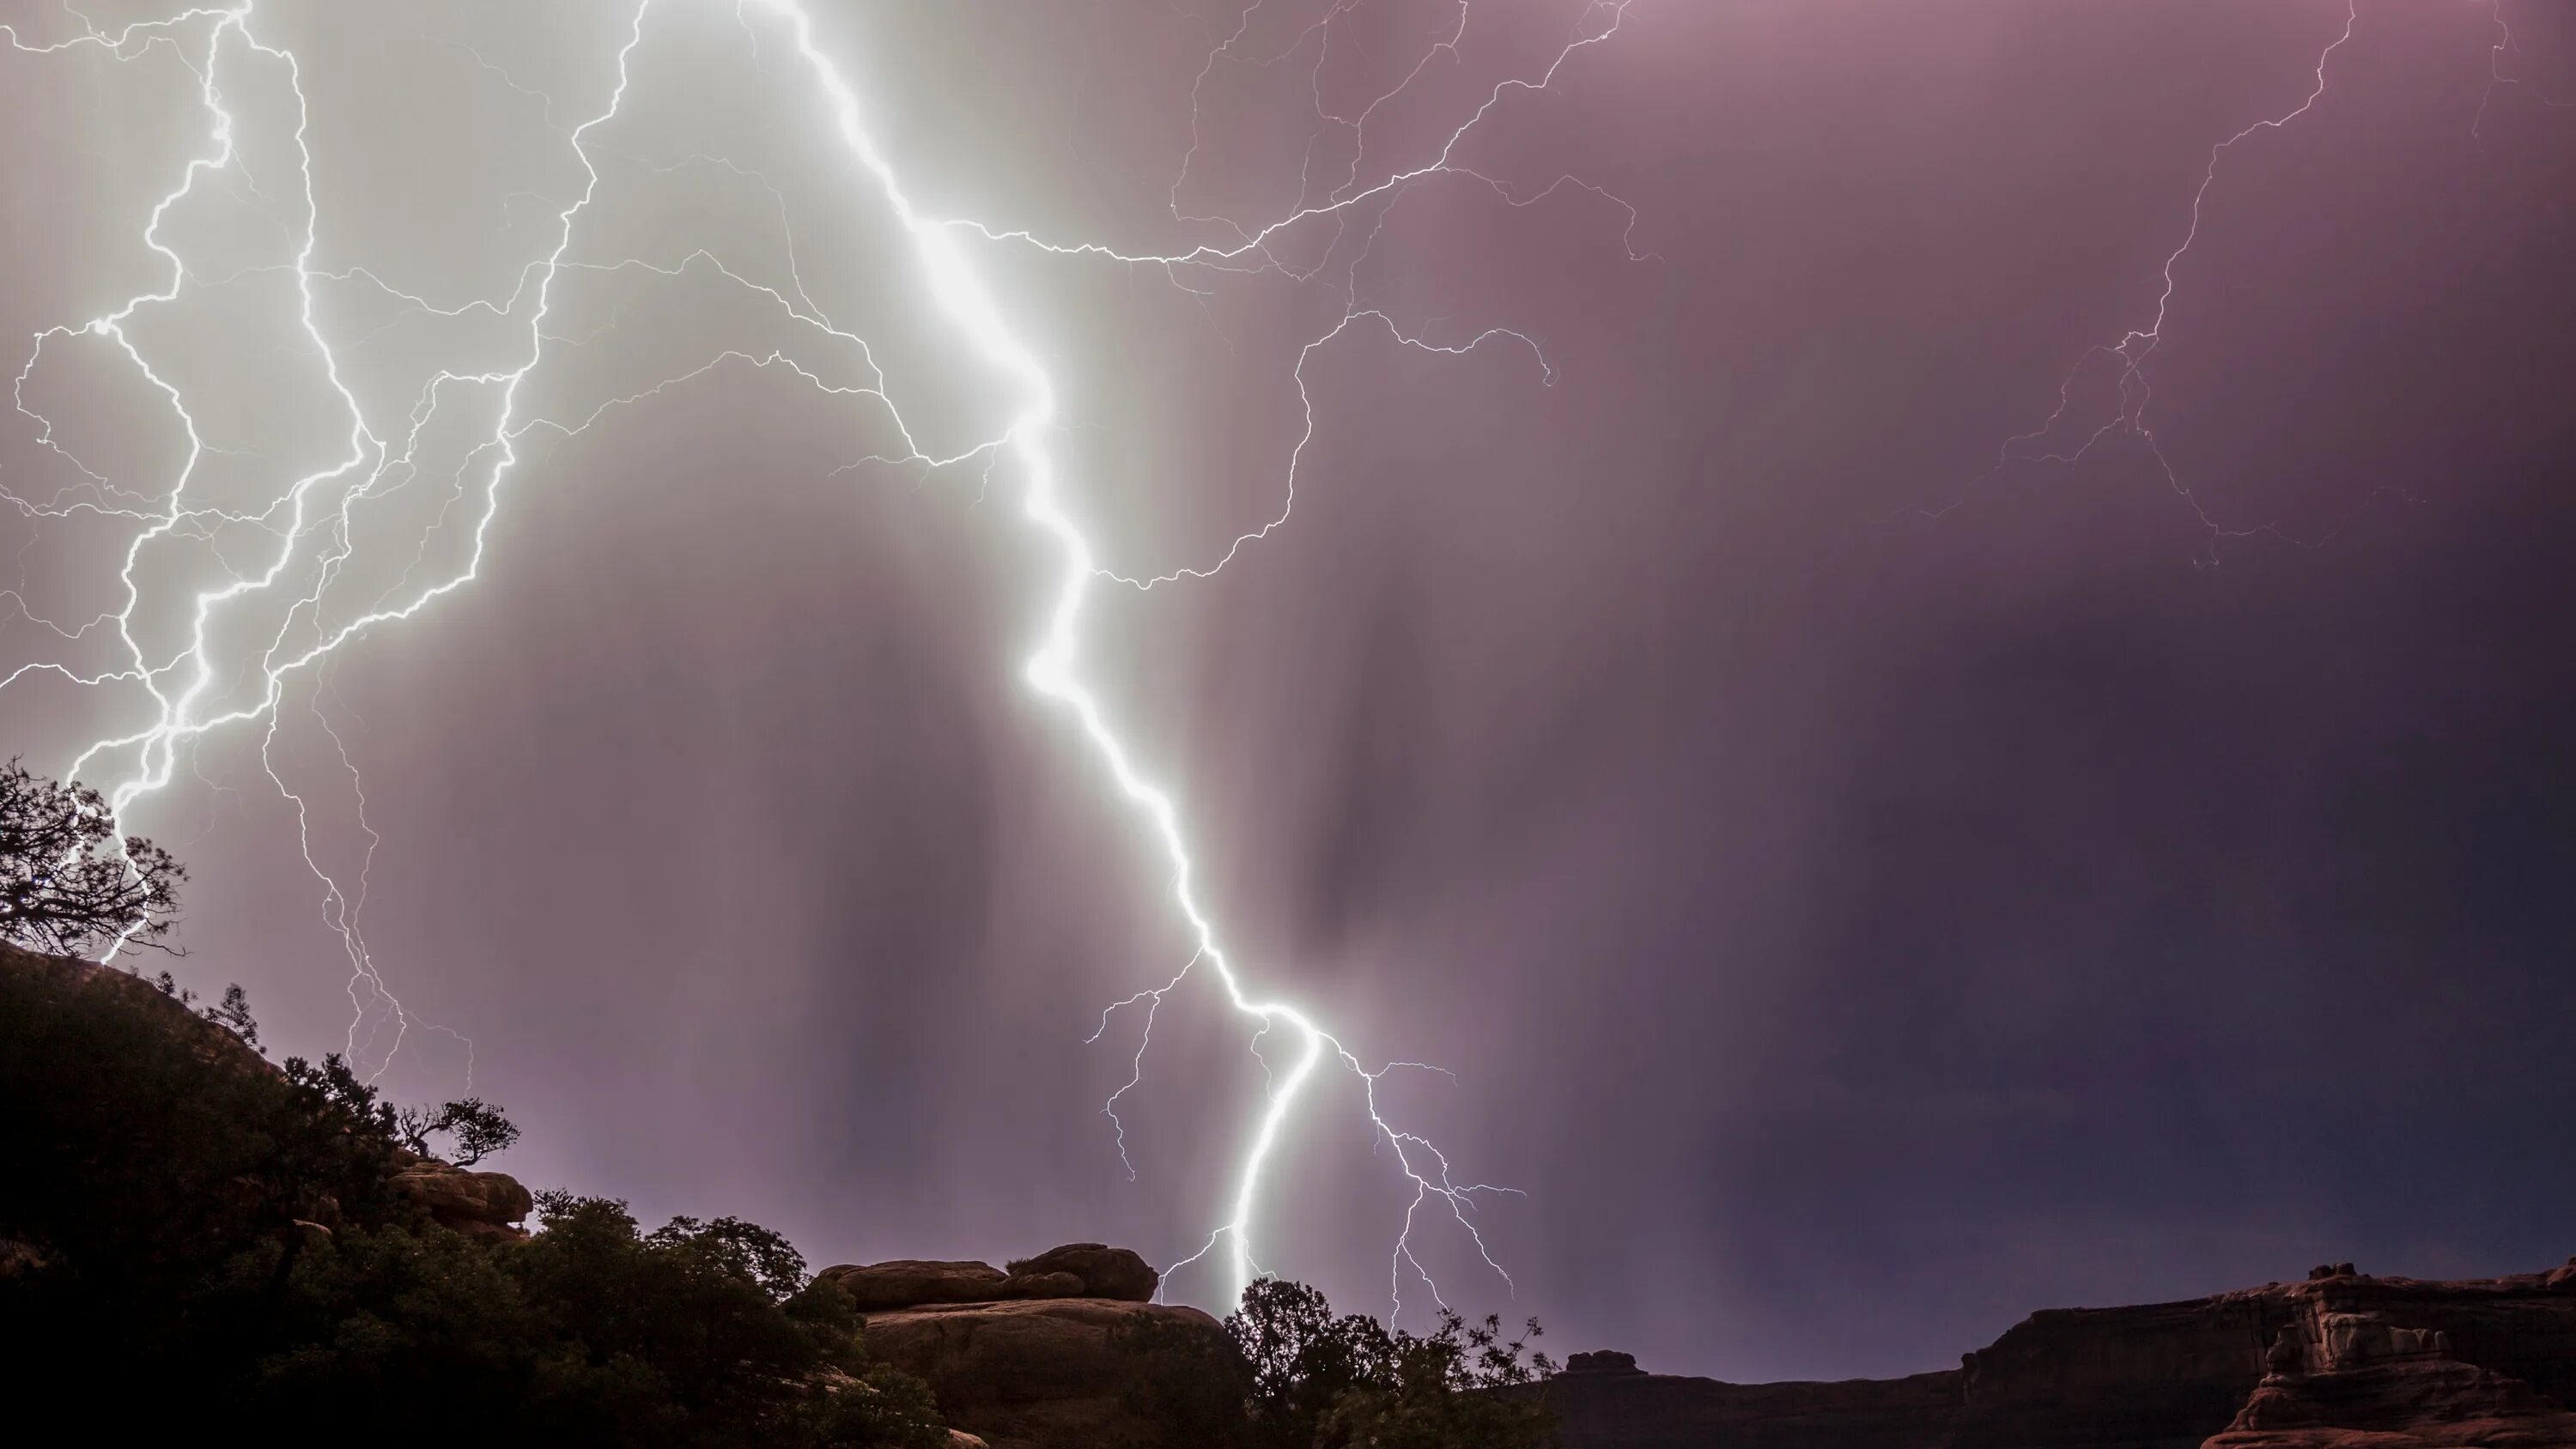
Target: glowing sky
column 1862, row 891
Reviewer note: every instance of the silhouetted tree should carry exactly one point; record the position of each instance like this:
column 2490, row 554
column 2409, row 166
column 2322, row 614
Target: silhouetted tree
column 476, row 1127
column 748, row 1251
column 1446, row 1390
column 208, row 1246
column 233, row 1015
column 64, row 889
column 1288, row 1373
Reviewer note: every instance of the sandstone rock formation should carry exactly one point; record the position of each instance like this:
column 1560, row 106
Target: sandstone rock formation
column 2391, row 1364
column 904, row 1282
column 2339, row 1361
column 1604, row 1361
column 1027, row 1357
column 1026, row 1374
column 477, row 1204
column 1104, row 1272
column 1076, row 1270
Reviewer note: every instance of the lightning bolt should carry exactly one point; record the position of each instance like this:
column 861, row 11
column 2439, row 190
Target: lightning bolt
column 310, row 534
column 2134, row 349
column 2497, row 80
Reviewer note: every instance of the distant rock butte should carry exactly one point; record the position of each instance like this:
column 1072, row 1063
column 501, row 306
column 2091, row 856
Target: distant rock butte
column 2340, row 1361
column 1026, row 1357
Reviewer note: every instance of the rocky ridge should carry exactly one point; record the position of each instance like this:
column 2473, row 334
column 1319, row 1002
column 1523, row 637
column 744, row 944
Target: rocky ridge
column 1027, row 1356
column 2342, row 1360
column 486, row 1205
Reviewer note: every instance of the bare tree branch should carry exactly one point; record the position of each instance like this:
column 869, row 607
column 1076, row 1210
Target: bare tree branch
column 67, row 886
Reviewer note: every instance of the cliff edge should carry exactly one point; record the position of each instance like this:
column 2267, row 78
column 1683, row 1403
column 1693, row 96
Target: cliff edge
column 2343, row 1360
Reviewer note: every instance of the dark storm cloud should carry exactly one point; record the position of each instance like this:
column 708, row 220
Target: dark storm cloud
column 1864, row 892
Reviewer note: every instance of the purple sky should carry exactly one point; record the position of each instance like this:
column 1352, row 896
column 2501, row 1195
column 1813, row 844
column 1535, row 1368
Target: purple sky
column 1864, row 892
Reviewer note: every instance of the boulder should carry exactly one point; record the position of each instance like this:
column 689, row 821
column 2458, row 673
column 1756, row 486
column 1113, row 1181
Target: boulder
column 1077, row 1270
column 1602, row 1361
column 1041, row 1285
column 1037, row 1372
column 908, row 1282
column 478, row 1204
column 1104, row 1272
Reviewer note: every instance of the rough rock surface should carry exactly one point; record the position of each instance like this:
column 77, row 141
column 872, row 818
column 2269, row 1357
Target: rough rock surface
column 477, row 1204
column 1104, row 1272
column 1032, row 1374
column 905, row 1282
column 2340, row 1361
column 2391, row 1363
column 1077, row 1270
column 19, row 1258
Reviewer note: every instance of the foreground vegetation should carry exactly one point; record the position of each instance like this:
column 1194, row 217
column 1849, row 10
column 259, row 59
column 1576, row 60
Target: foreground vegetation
column 1290, row 1374
column 194, row 1240
column 211, row 1242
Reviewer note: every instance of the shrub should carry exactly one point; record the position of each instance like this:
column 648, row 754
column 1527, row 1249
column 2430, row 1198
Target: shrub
column 218, row 1244
column 1288, row 1373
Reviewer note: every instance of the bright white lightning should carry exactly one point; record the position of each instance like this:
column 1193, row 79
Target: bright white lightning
column 320, row 506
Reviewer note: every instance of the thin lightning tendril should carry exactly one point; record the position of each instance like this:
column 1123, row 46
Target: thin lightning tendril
column 2132, row 352
column 2497, row 80
column 313, row 528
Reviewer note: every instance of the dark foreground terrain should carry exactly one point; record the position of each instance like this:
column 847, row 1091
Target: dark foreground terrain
column 258, row 1244
column 197, row 1244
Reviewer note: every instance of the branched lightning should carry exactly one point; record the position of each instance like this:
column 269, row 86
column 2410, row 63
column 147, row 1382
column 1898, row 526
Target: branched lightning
column 2129, row 356
column 2497, row 80
column 306, row 539
column 2132, row 352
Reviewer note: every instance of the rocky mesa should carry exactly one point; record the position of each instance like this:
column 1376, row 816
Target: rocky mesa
column 2342, row 1360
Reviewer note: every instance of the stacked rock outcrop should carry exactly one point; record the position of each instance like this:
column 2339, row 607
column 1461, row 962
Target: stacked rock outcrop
column 478, row 1204
column 1023, row 1356
column 1076, row 1270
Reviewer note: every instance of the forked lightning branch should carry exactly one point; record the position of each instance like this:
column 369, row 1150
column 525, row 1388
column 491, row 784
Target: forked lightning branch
column 313, row 535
